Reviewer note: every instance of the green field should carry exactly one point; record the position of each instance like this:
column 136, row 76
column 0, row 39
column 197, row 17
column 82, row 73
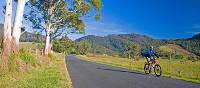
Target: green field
column 184, row 70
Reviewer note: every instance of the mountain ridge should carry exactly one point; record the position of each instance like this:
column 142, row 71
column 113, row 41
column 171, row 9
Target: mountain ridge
column 116, row 42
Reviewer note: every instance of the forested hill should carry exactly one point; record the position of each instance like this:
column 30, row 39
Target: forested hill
column 197, row 36
column 114, row 44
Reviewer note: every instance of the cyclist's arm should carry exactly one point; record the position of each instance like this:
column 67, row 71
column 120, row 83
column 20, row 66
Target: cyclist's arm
column 156, row 54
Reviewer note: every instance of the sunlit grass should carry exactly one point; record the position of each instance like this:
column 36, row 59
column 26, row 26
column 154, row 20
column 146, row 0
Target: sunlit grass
column 31, row 70
column 185, row 70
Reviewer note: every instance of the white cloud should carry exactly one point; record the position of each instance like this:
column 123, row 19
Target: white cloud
column 100, row 28
column 193, row 33
column 196, row 26
column 75, row 36
column 196, row 33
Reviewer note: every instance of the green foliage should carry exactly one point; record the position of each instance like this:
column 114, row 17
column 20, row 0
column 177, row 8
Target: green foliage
column 64, row 45
column 132, row 49
column 179, row 56
column 192, row 45
column 97, row 4
column 83, row 47
column 115, row 44
column 193, row 58
column 27, row 57
column 61, row 14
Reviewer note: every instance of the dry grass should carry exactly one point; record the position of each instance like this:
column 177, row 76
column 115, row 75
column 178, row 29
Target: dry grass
column 175, row 48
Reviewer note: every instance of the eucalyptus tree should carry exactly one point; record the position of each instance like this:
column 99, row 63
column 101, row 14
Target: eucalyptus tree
column 55, row 15
column 6, row 50
column 132, row 49
column 18, row 25
column 83, row 47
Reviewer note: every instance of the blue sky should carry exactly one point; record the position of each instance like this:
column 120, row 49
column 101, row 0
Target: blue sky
column 156, row 18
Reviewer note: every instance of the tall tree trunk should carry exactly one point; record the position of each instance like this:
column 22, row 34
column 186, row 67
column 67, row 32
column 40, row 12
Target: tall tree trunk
column 48, row 31
column 17, row 25
column 129, row 54
column 47, row 41
column 51, row 45
column 6, row 34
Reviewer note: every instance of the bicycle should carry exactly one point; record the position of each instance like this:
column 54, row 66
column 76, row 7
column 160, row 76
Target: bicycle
column 152, row 64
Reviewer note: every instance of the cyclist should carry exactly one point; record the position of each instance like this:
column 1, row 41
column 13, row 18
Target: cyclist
column 150, row 55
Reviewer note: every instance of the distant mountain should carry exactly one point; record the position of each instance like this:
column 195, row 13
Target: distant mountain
column 31, row 37
column 26, row 36
column 197, row 36
column 114, row 44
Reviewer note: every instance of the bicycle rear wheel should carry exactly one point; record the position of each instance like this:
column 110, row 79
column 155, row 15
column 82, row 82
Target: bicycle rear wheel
column 147, row 68
column 157, row 70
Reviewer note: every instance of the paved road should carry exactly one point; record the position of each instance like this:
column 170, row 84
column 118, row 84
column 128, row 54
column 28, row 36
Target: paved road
column 86, row 74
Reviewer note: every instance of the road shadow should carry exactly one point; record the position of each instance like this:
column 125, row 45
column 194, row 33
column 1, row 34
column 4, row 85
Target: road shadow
column 123, row 71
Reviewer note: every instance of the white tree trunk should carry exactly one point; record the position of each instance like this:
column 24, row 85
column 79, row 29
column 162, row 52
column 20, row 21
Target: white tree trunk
column 17, row 25
column 6, row 36
column 7, row 29
column 48, row 31
column 47, row 42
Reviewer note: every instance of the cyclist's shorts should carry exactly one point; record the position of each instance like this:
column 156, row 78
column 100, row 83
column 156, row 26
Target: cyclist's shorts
column 149, row 59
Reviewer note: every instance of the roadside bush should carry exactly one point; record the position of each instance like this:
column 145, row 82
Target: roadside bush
column 193, row 58
column 198, row 57
column 27, row 57
column 179, row 57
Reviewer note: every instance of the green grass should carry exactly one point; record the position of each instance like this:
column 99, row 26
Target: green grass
column 42, row 78
column 184, row 70
column 31, row 45
column 11, row 63
column 27, row 57
column 27, row 71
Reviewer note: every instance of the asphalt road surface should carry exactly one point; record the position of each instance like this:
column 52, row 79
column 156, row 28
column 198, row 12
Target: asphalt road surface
column 86, row 74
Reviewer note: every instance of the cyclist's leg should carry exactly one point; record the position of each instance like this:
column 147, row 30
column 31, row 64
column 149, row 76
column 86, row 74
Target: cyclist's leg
column 148, row 59
column 151, row 59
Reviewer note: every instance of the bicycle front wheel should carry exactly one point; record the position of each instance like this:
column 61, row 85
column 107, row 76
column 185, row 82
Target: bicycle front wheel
column 157, row 70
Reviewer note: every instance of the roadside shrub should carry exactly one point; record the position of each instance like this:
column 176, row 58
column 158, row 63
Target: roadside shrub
column 198, row 57
column 193, row 58
column 179, row 57
column 40, row 46
column 27, row 57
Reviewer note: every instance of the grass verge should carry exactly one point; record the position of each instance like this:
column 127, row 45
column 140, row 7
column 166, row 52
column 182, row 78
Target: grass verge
column 29, row 70
column 187, row 70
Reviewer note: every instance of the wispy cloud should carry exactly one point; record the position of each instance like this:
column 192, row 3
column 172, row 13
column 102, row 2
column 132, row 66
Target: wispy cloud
column 192, row 33
column 100, row 28
column 196, row 33
column 196, row 26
